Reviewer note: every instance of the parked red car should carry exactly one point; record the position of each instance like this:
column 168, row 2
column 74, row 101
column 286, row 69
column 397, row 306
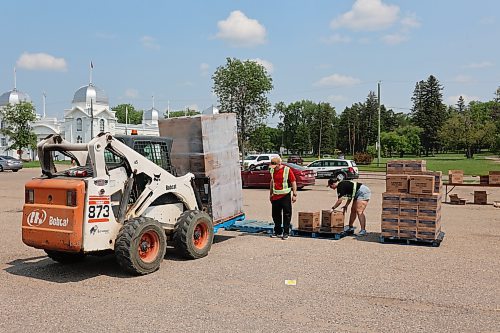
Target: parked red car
column 259, row 176
column 296, row 159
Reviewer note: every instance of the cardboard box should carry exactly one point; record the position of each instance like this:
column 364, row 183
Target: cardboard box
column 421, row 184
column 332, row 219
column 480, row 197
column 309, row 221
column 424, row 212
column 390, row 199
column 415, row 165
column 494, row 178
column 438, row 178
column 389, row 232
column 396, row 167
column 429, row 200
column 455, row 176
column 405, row 211
column 430, row 235
column 407, row 233
column 396, row 183
column 390, row 222
column 390, row 211
column 408, row 200
column 428, row 223
column 408, row 223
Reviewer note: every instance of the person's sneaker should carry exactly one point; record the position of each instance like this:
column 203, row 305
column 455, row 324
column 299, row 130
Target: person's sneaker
column 350, row 229
column 285, row 237
column 273, row 235
column 362, row 233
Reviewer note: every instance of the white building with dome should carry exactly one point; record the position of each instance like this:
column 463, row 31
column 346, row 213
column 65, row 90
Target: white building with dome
column 89, row 115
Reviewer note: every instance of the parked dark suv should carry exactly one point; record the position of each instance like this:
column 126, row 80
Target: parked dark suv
column 295, row 159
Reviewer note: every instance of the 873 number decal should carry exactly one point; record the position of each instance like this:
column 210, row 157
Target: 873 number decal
column 97, row 211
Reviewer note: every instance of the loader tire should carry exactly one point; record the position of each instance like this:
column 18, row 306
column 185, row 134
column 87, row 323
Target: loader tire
column 65, row 257
column 141, row 245
column 194, row 233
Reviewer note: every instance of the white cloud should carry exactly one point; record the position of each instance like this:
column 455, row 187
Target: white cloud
column 336, row 38
column 150, row 42
column 483, row 64
column 337, row 80
column 452, row 100
column 239, row 30
column 462, row 79
column 266, row 64
column 336, row 98
column 488, row 20
column 204, row 67
column 367, row 15
column 131, row 93
column 393, row 39
column 41, row 61
column 410, row 21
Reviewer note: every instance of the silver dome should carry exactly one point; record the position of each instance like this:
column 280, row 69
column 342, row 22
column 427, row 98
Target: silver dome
column 151, row 114
column 14, row 97
column 86, row 93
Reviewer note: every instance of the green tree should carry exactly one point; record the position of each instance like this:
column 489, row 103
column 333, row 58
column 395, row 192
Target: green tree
column 428, row 112
column 241, row 87
column 16, row 120
column 134, row 116
column 411, row 135
column 261, row 139
column 182, row 113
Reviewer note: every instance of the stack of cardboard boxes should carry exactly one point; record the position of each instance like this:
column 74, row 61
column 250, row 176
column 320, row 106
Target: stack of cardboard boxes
column 455, row 176
column 411, row 204
column 494, row 178
column 331, row 221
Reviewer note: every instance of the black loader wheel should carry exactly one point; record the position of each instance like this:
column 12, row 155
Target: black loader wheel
column 194, row 233
column 65, row 257
column 141, row 245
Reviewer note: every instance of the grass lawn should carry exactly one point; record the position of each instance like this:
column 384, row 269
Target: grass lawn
column 440, row 162
column 36, row 164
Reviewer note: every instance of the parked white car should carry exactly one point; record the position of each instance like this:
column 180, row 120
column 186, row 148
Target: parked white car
column 340, row 169
column 257, row 159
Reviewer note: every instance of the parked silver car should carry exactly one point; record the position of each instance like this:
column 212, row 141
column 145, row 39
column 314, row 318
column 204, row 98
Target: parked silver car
column 10, row 163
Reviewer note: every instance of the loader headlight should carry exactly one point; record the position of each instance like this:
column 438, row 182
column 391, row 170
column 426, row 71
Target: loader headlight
column 71, row 198
column 29, row 196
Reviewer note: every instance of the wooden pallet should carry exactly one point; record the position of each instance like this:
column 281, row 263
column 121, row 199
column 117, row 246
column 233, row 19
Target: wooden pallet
column 322, row 234
column 413, row 241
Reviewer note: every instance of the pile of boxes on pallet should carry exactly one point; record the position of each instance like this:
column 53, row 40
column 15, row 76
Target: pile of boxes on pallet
column 411, row 204
column 331, row 221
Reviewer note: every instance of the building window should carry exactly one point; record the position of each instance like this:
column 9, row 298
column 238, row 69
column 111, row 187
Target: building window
column 101, row 125
column 3, row 142
column 79, row 139
column 2, row 125
column 79, row 124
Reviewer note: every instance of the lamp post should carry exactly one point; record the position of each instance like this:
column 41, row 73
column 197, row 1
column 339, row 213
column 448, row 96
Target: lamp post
column 378, row 136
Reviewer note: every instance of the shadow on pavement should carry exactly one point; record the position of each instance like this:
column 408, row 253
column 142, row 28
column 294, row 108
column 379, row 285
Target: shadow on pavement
column 44, row 268
column 372, row 237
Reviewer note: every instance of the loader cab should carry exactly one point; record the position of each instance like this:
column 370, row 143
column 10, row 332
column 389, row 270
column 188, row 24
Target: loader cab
column 154, row 148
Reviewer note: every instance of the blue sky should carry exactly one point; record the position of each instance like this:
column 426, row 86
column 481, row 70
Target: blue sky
column 322, row 50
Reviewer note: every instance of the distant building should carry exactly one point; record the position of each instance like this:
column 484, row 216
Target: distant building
column 89, row 114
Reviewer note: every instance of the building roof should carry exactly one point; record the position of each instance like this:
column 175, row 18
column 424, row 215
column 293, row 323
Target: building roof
column 90, row 92
column 14, row 96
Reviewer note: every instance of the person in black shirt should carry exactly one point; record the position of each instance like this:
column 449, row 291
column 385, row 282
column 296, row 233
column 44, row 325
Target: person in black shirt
column 356, row 192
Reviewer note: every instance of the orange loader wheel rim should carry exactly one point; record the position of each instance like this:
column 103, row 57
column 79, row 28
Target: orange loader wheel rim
column 200, row 235
column 149, row 246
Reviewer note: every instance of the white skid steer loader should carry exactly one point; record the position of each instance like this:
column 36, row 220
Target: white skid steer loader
column 114, row 199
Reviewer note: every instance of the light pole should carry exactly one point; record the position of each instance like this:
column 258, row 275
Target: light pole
column 378, row 137
column 320, row 130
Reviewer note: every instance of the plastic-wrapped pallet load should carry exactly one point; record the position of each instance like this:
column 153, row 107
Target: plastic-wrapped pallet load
column 207, row 146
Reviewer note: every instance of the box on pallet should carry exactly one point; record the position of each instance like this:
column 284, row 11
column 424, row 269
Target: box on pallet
column 390, row 211
column 408, row 200
column 396, row 167
column 429, row 212
column 389, row 232
column 455, row 176
column 480, row 197
column 494, row 178
column 332, row 221
column 407, row 232
column 389, row 222
column 428, row 234
column 428, row 223
column 429, row 200
column 406, row 211
column 309, row 221
column 438, row 178
column 408, row 222
column 415, row 165
column 395, row 183
column 421, row 184
column 390, row 199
